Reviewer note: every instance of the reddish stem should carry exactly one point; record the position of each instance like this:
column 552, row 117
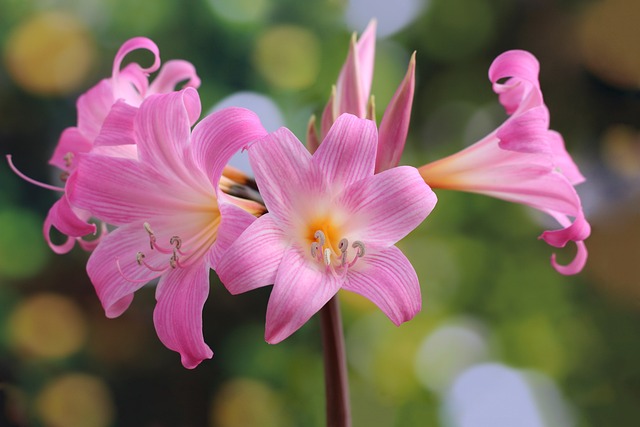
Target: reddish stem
column 335, row 366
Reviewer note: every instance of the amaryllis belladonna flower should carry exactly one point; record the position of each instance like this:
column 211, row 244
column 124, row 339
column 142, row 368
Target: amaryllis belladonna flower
column 331, row 224
column 522, row 161
column 173, row 222
column 119, row 96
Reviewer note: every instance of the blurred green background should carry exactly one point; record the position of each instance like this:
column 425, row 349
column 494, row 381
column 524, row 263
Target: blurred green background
column 502, row 340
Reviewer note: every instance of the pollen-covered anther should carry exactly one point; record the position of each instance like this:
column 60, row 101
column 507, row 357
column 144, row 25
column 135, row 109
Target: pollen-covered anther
column 323, row 251
column 139, row 258
column 68, row 159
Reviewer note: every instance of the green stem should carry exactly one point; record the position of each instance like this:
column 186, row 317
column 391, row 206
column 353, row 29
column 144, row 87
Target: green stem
column 335, row 366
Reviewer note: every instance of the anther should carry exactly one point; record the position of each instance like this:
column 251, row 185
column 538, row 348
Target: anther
column 315, row 247
column 360, row 248
column 175, row 241
column 68, row 159
column 152, row 237
column 173, row 261
column 139, row 257
column 319, row 236
column 343, row 245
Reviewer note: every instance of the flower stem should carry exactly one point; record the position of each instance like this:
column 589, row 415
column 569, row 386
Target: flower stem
column 335, row 366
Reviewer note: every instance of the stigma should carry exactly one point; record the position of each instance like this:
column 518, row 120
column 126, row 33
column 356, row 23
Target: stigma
column 336, row 261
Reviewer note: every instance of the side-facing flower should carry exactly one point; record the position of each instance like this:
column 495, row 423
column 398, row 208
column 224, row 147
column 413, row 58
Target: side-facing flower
column 331, row 224
column 173, row 221
column 118, row 96
column 351, row 94
column 522, row 161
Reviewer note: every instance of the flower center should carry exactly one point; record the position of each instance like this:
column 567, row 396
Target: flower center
column 334, row 256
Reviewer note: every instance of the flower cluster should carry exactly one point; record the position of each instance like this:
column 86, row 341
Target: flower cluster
column 144, row 167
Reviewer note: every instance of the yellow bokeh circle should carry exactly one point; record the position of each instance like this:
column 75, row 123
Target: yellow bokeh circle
column 47, row 326
column 75, row 400
column 288, row 57
column 49, row 54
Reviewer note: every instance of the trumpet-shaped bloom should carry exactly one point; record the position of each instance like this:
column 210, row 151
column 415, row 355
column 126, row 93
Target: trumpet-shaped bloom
column 522, row 161
column 352, row 95
column 173, row 221
column 331, row 224
column 119, row 97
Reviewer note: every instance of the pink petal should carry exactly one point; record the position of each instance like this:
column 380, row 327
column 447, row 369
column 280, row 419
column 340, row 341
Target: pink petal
column 527, row 132
column 233, row 222
column 385, row 207
column 576, row 265
column 114, row 270
column 119, row 190
column 522, row 89
column 172, row 73
column 117, row 128
column 282, row 165
column 93, row 107
column 577, row 231
column 222, row 134
column 71, row 143
column 328, row 115
column 67, row 221
column 349, row 92
column 133, row 76
column 301, row 289
column 253, row 259
column 348, row 152
column 181, row 295
column 366, row 50
column 562, row 160
column 388, row 279
column 163, row 129
column 395, row 122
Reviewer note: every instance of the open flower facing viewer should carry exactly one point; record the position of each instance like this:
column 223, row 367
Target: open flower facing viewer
column 331, row 224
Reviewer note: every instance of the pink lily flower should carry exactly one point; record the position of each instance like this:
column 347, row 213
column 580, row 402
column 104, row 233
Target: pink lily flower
column 352, row 95
column 173, row 220
column 522, row 161
column 118, row 96
column 331, row 224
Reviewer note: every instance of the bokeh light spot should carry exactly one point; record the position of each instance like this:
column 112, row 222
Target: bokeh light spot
column 248, row 403
column 49, row 54
column 449, row 350
column 288, row 57
column 23, row 252
column 392, row 16
column 76, row 400
column 606, row 33
column 47, row 326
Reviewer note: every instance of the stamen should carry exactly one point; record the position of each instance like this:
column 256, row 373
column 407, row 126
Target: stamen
column 315, row 249
column 327, row 257
column 176, row 242
column 173, row 261
column 68, row 159
column 129, row 279
column 152, row 237
column 360, row 248
column 319, row 236
column 31, row 180
column 343, row 245
column 139, row 257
